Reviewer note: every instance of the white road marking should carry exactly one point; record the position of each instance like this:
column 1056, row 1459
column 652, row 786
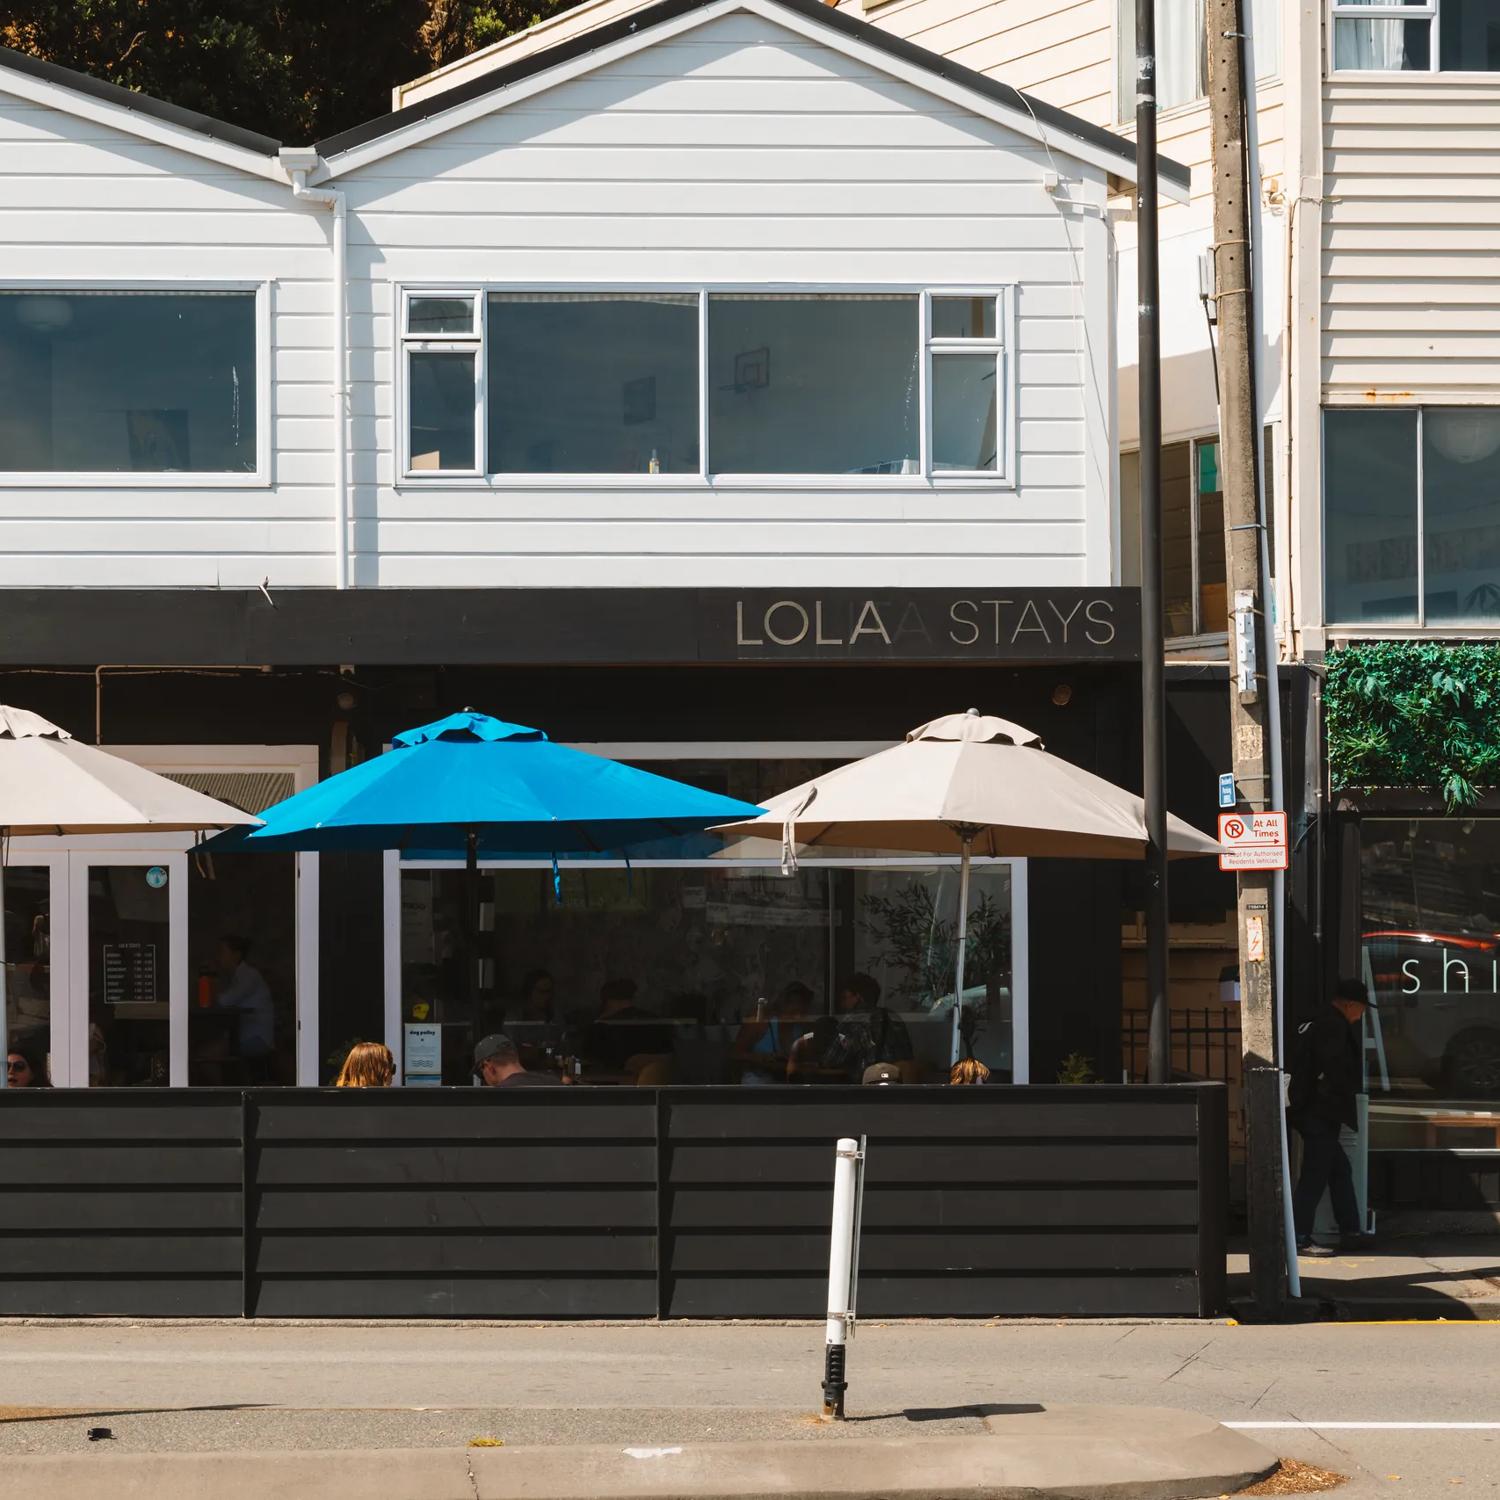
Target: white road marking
column 1366, row 1426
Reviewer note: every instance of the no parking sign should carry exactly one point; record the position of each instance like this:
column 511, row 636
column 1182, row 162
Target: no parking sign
column 1253, row 841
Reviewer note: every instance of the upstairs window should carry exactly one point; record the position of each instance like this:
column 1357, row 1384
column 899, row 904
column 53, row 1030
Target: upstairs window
column 1416, row 36
column 694, row 383
column 128, row 382
column 1181, row 51
column 1411, row 515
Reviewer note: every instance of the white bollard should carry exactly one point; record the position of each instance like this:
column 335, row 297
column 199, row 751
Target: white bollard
column 841, row 1251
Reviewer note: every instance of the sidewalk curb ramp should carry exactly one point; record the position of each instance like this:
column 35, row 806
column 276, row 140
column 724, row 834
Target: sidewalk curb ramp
column 1080, row 1452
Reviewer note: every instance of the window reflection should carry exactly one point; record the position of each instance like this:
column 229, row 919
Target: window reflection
column 813, row 383
column 119, row 382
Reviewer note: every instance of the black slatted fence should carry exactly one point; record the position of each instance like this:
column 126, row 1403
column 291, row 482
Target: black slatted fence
column 609, row 1203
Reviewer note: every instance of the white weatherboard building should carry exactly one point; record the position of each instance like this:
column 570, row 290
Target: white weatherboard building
column 643, row 387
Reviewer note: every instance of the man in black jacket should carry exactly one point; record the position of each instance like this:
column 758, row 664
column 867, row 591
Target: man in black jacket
column 1327, row 1072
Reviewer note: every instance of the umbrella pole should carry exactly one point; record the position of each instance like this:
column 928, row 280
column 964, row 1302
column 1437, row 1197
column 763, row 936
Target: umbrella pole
column 963, row 944
column 471, row 902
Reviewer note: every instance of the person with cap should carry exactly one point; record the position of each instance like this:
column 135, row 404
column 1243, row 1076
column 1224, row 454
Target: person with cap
column 1326, row 1072
column 882, row 1074
column 497, row 1065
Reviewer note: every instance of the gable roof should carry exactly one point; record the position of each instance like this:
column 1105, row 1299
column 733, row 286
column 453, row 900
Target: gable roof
column 1049, row 121
column 140, row 104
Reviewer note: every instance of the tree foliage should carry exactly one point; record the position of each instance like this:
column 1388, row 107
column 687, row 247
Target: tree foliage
column 1406, row 713
column 297, row 70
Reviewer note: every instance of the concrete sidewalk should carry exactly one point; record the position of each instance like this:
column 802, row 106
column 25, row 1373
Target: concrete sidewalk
column 1142, row 1453
column 1456, row 1279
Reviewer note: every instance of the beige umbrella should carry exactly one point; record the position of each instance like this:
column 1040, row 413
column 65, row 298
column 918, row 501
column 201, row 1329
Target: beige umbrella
column 966, row 783
column 52, row 784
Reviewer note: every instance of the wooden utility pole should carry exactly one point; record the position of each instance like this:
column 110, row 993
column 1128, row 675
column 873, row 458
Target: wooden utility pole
column 1239, row 459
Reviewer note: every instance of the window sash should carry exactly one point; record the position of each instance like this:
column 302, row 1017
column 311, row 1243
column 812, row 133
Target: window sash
column 925, row 350
column 259, row 388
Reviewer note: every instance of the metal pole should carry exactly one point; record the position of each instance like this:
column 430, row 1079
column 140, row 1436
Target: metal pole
column 963, row 943
column 840, row 1269
column 471, row 905
column 1259, row 323
column 1153, row 681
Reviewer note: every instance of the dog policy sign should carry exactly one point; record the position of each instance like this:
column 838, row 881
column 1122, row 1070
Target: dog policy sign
column 1253, row 841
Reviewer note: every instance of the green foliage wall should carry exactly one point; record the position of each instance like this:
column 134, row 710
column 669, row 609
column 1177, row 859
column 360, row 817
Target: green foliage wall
column 1406, row 713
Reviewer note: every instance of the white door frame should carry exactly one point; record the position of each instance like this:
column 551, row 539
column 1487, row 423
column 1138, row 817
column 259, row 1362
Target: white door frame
column 59, row 929
column 302, row 762
column 80, row 862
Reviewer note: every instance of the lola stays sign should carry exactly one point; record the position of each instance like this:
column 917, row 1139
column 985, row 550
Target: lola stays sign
column 938, row 625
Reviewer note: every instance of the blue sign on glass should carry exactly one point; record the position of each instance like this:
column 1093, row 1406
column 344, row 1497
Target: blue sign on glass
column 1227, row 797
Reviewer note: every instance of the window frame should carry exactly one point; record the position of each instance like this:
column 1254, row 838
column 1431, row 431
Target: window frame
column 1431, row 11
column 1356, row 628
column 261, row 477
column 409, row 344
column 1004, row 477
column 1122, row 83
column 1001, row 345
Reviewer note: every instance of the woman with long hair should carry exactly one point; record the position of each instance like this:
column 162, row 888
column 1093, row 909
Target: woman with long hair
column 369, row 1065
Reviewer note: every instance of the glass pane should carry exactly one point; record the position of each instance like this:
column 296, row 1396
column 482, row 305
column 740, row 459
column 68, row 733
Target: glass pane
column 1431, row 898
column 965, row 426
column 242, row 959
column 1177, row 539
column 28, row 975
column 1469, row 36
column 812, row 384
column 1370, row 515
column 706, row 975
column 1213, row 597
column 906, row 938
column 1181, row 57
column 1385, row 46
column 963, row 317
column 429, row 315
column 128, row 943
column 593, row 383
column 127, row 382
column 442, row 411
column 1461, row 513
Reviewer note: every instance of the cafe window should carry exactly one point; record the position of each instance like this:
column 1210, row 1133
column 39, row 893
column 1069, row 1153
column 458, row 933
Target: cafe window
column 1430, row 896
column 1412, row 515
column 1416, row 36
column 708, row 937
column 1195, row 597
column 112, row 383
column 700, row 383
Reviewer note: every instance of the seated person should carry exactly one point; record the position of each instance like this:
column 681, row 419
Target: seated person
column 533, row 1024
column 497, row 1065
column 763, row 1047
column 811, row 1053
column 623, row 1030
column 868, row 1032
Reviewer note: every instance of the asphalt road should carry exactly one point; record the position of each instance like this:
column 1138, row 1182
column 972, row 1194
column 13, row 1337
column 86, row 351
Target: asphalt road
column 252, row 1386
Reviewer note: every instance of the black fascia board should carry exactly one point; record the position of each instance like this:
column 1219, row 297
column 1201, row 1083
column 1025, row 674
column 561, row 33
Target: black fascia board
column 141, row 104
column 1046, row 116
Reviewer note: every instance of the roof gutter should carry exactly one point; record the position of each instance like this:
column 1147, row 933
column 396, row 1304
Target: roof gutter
column 298, row 161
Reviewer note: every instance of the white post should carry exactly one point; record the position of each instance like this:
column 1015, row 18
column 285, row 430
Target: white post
column 963, row 945
column 840, row 1268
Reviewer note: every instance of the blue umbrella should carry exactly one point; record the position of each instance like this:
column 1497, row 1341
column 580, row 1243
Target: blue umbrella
column 473, row 783
column 477, row 784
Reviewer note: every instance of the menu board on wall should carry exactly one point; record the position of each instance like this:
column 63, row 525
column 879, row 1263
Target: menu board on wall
column 129, row 973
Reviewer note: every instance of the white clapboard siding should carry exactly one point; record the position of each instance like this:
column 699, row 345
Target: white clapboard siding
column 85, row 203
column 1410, row 234
column 738, row 153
